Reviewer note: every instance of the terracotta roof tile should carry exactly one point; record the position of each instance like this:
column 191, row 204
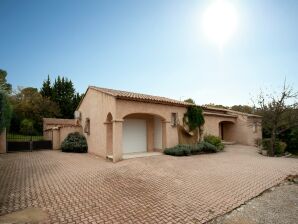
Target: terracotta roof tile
column 140, row 97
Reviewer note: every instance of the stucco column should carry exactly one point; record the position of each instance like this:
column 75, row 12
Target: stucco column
column 150, row 135
column 56, row 138
column 117, row 140
column 3, row 142
column 165, row 128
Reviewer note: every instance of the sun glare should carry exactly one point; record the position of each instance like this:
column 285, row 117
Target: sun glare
column 220, row 22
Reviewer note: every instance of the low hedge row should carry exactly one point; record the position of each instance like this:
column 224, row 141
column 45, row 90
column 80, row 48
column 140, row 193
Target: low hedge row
column 187, row 150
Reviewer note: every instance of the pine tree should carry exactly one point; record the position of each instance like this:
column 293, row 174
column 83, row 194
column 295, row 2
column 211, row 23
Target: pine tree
column 46, row 89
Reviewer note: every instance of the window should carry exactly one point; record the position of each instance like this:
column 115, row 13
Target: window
column 87, row 126
column 174, row 119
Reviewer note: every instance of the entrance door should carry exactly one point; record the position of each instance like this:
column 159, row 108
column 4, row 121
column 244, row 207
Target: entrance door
column 134, row 135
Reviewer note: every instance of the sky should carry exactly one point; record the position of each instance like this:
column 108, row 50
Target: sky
column 156, row 47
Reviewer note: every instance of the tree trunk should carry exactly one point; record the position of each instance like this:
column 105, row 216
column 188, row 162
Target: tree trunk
column 271, row 151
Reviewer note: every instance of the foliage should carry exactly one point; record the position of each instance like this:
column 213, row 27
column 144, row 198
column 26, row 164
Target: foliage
column 4, row 86
column 291, row 138
column 74, row 142
column 279, row 146
column 194, row 117
column 187, row 150
column 243, row 108
column 28, row 103
column 46, row 89
column 27, row 127
column 279, row 113
column 214, row 140
column 62, row 92
column 190, row 100
column 5, row 111
column 216, row 106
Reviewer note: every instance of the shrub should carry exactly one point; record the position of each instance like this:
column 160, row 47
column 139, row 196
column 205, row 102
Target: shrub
column 279, row 146
column 208, row 147
column 179, row 150
column 74, row 142
column 27, row 127
column 214, row 140
column 187, row 150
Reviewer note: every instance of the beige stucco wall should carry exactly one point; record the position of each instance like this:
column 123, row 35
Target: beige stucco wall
column 3, row 142
column 238, row 129
column 96, row 107
column 125, row 107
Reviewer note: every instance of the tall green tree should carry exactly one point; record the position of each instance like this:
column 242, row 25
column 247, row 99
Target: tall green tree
column 46, row 89
column 63, row 95
column 4, row 86
column 5, row 111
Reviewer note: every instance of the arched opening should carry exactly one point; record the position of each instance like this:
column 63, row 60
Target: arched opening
column 109, row 134
column 143, row 133
column 226, row 131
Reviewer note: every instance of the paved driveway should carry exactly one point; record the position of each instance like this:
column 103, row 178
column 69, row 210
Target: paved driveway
column 82, row 188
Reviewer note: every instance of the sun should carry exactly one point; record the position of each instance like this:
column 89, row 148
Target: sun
column 220, row 21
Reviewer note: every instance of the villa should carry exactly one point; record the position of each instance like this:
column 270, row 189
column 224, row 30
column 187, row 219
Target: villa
column 117, row 122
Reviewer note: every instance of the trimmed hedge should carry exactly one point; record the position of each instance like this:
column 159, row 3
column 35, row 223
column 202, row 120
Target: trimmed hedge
column 214, row 140
column 187, row 150
column 74, row 142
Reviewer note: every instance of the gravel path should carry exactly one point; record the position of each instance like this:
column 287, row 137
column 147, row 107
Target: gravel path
column 279, row 205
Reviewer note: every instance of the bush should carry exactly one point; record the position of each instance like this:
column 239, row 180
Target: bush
column 187, row 150
column 214, row 140
column 27, row 127
column 208, row 147
column 74, row 142
column 179, row 150
column 279, row 146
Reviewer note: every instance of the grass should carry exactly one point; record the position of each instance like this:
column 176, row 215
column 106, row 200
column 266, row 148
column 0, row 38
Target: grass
column 21, row 138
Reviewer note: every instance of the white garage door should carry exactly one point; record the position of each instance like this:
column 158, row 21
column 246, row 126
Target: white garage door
column 134, row 135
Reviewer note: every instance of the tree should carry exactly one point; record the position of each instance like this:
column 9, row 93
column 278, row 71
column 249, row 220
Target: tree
column 76, row 100
column 243, row 108
column 216, row 106
column 29, row 104
column 190, row 100
column 4, row 86
column 5, row 111
column 63, row 95
column 46, row 89
column 279, row 112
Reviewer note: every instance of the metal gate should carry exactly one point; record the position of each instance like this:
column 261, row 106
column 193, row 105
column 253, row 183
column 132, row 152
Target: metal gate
column 18, row 142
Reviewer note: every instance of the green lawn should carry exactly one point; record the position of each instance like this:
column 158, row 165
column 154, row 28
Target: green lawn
column 19, row 137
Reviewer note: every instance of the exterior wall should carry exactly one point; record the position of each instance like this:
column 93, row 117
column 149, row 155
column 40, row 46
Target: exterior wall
column 244, row 130
column 211, row 125
column 3, row 142
column 54, row 122
column 125, row 107
column 96, row 106
column 157, row 133
column 239, row 129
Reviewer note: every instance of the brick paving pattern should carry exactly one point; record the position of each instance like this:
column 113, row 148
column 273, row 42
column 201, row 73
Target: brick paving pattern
column 83, row 188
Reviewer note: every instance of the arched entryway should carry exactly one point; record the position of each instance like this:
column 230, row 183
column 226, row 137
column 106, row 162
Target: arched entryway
column 109, row 134
column 227, row 131
column 142, row 133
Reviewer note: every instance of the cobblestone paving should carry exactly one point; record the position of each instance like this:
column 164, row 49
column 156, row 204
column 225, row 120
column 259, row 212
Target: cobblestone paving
column 83, row 188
